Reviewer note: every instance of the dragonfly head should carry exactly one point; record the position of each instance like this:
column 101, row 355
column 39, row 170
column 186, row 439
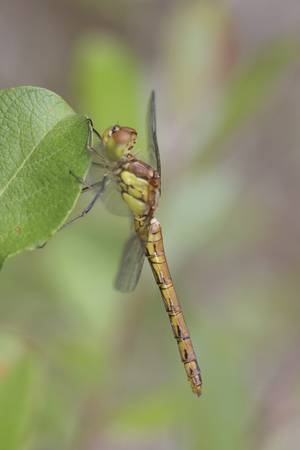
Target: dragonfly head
column 119, row 141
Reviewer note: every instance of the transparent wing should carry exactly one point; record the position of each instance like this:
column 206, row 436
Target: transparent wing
column 152, row 144
column 131, row 264
column 113, row 201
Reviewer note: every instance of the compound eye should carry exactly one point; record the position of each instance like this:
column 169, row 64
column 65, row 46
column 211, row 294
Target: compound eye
column 115, row 128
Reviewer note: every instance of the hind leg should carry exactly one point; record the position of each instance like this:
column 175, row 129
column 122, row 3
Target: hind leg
column 101, row 187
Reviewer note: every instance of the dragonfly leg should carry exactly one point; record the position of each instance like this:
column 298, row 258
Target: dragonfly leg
column 86, row 187
column 77, row 178
column 86, row 210
column 91, row 186
column 41, row 246
column 90, row 206
column 92, row 131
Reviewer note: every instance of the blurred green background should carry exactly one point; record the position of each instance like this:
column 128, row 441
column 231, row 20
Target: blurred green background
column 83, row 367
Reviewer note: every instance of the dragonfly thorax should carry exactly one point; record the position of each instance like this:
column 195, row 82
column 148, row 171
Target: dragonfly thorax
column 140, row 187
column 119, row 141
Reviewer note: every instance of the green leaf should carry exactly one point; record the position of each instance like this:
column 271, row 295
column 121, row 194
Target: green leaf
column 249, row 90
column 41, row 140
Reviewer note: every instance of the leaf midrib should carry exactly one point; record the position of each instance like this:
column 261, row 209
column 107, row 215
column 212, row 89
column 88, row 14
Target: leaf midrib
column 19, row 169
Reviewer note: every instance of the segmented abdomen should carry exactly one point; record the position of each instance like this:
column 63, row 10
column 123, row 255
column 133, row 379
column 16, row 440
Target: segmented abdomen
column 157, row 259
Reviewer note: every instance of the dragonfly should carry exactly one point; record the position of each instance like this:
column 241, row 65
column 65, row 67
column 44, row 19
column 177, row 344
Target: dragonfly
column 131, row 186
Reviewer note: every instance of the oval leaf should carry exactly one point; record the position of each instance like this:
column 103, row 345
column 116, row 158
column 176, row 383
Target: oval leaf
column 41, row 140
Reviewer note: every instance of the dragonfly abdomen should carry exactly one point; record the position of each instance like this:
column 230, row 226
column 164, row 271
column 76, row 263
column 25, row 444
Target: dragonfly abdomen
column 157, row 259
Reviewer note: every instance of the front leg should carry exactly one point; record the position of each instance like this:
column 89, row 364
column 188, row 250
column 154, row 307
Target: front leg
column 90, row 141
column 102, row 185
column 86, row 187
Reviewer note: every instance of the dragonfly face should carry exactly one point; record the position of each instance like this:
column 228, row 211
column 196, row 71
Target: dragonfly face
column 119, row 141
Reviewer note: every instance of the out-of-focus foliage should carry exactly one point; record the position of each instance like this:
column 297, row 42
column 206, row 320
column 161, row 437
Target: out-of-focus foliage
column 250, row 87
column 106, row 76
column 19, row 389
column 42, row 139
column 195, row 54
column 106, row 369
